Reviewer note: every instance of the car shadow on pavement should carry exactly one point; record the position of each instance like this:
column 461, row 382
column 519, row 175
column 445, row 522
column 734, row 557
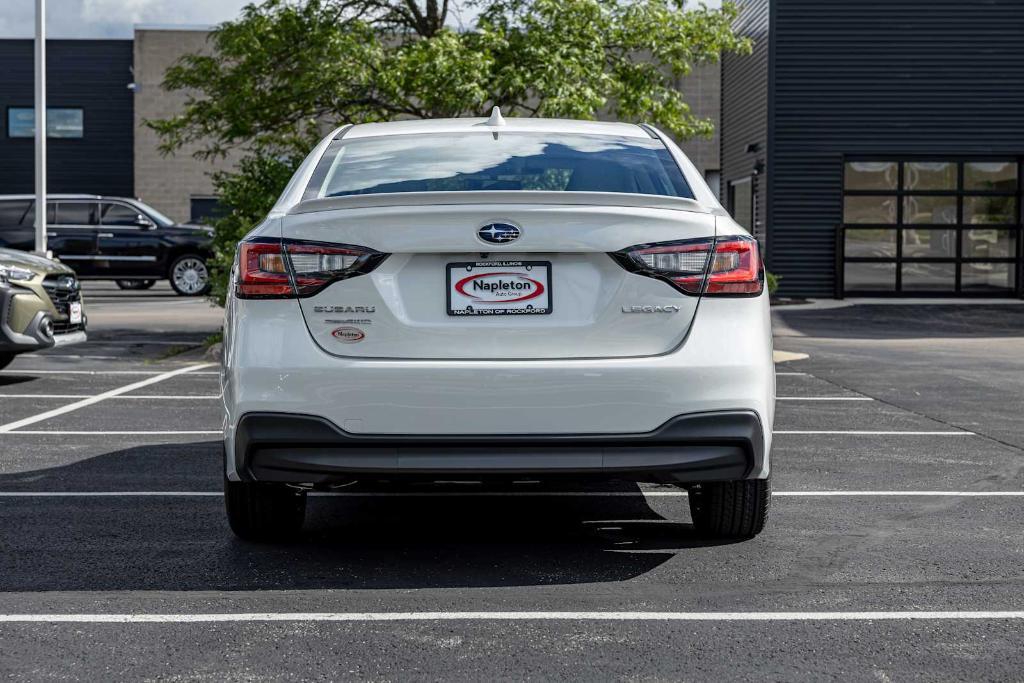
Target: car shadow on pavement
column 13, row 379
column 58, row 543
column 905, row 321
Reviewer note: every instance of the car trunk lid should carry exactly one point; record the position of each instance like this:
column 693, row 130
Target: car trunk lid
column 574, row 300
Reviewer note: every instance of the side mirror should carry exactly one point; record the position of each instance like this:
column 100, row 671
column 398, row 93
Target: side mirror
column 143, row 222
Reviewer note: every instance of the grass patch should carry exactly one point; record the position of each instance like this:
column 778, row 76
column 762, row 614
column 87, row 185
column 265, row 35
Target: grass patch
column 215, row 338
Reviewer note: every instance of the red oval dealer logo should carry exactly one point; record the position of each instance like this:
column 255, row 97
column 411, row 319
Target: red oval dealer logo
column 492, row 288
column 348, row 335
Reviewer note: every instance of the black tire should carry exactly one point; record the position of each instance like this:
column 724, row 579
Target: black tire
column 731, row 509
column 186, row 288
column 5, row 359
column 264, row 512
column 135, row 284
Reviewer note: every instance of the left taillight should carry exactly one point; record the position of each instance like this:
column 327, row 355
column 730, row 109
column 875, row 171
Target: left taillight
column 274, row 269
column 262, row 273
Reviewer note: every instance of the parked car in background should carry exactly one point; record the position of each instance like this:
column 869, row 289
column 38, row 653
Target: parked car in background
column 113, row 238
column 40, row 305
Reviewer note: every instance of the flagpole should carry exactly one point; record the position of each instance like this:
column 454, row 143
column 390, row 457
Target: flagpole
column 40, row 119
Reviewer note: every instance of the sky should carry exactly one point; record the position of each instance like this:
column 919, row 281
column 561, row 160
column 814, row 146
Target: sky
column 115, row 18
column 109, row 18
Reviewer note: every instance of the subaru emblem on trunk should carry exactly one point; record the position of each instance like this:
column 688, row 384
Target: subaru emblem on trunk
column 498, row 233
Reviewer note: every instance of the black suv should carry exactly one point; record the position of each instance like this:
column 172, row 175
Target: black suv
column 113, row 238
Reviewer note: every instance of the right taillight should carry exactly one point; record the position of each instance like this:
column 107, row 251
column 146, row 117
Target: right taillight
column 728, row 266
column 736, row 268
column 272, row 269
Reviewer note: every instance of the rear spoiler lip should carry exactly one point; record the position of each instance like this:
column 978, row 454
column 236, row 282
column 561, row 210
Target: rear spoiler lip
column 500, row 197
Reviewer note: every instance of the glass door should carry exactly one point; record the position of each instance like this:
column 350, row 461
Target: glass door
column 931, row 227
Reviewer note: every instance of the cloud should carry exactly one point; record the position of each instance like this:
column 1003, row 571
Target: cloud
column 110, row 18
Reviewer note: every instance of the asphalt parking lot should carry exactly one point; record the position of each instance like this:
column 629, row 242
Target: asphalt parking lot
column 895, row 547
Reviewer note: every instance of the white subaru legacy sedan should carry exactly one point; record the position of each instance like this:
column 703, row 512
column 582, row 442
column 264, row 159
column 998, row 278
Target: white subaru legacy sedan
column 491, row 299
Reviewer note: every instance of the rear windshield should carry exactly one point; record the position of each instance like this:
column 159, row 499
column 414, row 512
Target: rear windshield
column 497, row 161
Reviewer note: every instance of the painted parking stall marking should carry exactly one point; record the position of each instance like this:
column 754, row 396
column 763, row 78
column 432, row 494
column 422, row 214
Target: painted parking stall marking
column 32, row 371
column 512, row 494
column 56, row 412
column 153, row 397
column 65, row 432
column 824, row 398
column 142, row 618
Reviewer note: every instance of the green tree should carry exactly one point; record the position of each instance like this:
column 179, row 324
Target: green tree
column 285, row 71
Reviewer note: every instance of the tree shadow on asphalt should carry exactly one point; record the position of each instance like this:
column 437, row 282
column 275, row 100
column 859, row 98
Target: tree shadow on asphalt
column 905, row 321
column 184, row 544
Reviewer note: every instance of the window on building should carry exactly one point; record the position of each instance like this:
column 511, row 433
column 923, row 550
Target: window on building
column 713, row 177
column 204, row 210
column 741, row 203
column 931, row 226
column 60, row 122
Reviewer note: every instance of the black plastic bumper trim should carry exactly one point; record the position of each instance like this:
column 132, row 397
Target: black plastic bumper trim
column 293, row 448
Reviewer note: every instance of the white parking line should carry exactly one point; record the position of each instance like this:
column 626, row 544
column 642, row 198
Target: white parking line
column 172, row 432
column 148, row 397
column 792, row 374
column 30, row 371
column 824, row 398
column 61, row 432
column 857, row 432
column 513, row 494
column 92, row 400
column 184, row 397
column 136, row 618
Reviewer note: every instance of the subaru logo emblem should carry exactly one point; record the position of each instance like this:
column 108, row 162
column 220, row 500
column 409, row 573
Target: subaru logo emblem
column 66, row 282
column 498, row 233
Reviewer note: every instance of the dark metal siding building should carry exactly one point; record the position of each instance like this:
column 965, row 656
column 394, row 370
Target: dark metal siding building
column 894, row 141
column 89, row 148
column 745, row 117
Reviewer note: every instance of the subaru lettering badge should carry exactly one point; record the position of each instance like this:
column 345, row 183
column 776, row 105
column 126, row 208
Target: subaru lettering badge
column 498, row 233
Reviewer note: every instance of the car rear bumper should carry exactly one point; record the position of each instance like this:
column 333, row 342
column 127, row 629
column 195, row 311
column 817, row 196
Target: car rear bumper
column 272, row 365
column 305, row 449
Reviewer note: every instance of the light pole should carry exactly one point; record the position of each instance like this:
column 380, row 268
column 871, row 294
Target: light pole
column 40, row 117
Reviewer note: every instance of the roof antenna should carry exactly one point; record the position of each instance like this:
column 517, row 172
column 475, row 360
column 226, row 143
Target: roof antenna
column 496, row 118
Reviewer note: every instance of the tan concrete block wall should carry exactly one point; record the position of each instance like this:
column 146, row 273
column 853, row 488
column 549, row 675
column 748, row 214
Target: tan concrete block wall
column 702, row 90
column 166, row 182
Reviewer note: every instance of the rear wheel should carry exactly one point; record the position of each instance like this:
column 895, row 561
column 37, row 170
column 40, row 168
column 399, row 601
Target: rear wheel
column 135, row 284
column 264, row 512
column 189, row 276
column 5, row 359
column 731, row 509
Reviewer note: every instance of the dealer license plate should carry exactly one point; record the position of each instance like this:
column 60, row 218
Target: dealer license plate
column 499, row 288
